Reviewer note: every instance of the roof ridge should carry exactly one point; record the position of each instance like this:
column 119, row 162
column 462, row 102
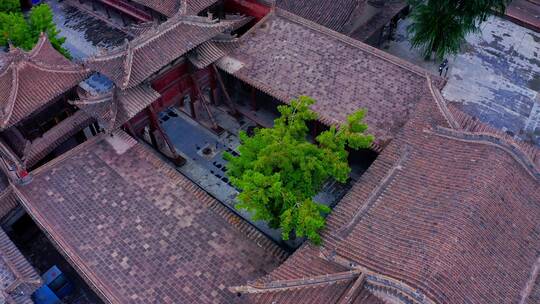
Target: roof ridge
column 41, row 42
column 495, row 140
column 470, row 123
column 20, row 267
column 529, row 285
column 441, row 104
column 376, row 193
column 72, row 68
column 376, row 281
column 128, row 64
column 293, row 284
column 183, row 7
column 7, row 109
column 171, row 24
column 92, row 99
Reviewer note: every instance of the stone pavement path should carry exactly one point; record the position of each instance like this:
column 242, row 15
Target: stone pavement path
column 496, row 77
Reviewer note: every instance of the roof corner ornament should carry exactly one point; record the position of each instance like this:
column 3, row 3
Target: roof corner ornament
column 13, row 167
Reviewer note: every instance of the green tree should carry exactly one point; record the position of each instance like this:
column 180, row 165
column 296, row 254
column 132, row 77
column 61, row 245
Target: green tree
column 15, row 30
column 24, row 33
column 440, row 26
column 279, row 171
column 41, row 21
column 10, row 6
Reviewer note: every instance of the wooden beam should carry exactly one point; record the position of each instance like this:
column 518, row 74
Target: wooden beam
column 204, row 102
column 224, row 90
column 156, row 126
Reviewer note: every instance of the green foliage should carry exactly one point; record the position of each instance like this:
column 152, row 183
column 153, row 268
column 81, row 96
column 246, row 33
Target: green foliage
column 10, row 6
column 41, row 21
column 441, row 26
column 15, row 30
column 279, row 171
column 24, row 33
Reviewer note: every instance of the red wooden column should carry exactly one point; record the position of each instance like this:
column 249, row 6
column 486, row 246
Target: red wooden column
column 155, row 126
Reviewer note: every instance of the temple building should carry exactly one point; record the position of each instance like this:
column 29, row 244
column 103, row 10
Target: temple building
column 370, row 21
column 18, row 279
column 129, row 186
column 448, row 213
column 36, row 115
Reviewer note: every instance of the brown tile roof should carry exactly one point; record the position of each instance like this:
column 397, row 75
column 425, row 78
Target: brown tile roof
column 525, row 13
column 331, row 14
column 41, row 146
column 210, row 52
column 340, row 15
column 29, row 80
column 8, row 200
column 171, row 7
column 138, row 59
column 368, row 32
column 18, row 279
column 193, row 7
column 444, row 215
column 138, row 231
column 286, row 56
column 116, row 107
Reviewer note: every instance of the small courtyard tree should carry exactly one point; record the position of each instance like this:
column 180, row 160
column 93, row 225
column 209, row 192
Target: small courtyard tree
column 10, row 6
column 279, row 170
column 440, row 26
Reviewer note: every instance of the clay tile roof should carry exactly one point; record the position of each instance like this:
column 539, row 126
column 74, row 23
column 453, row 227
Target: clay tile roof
column 286, row 56
column 331, row 14
column 8, row 200
column 116, row 107
column 138, row 231
column 341, row 15
column 525, row 13
column 18, row 279
column 29, row 80
column 171, row 7
column 444, row 215
column 50, row 140
column 137, row 60
column 210, row 52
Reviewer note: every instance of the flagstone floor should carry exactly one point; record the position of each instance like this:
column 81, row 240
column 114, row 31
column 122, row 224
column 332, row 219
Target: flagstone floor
column 496, row 76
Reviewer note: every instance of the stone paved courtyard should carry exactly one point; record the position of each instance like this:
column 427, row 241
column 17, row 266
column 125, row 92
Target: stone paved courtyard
column 84, row 34
column 496, row 77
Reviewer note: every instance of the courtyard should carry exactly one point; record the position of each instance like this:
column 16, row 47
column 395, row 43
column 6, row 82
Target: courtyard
column 203, row 149
column 496, row 76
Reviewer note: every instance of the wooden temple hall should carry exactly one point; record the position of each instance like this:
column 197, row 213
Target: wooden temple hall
column 443, row 209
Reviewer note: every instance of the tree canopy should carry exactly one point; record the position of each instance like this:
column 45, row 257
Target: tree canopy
column 10, row 6
column 24, row 32
column 279, row 171
column 440, row 26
